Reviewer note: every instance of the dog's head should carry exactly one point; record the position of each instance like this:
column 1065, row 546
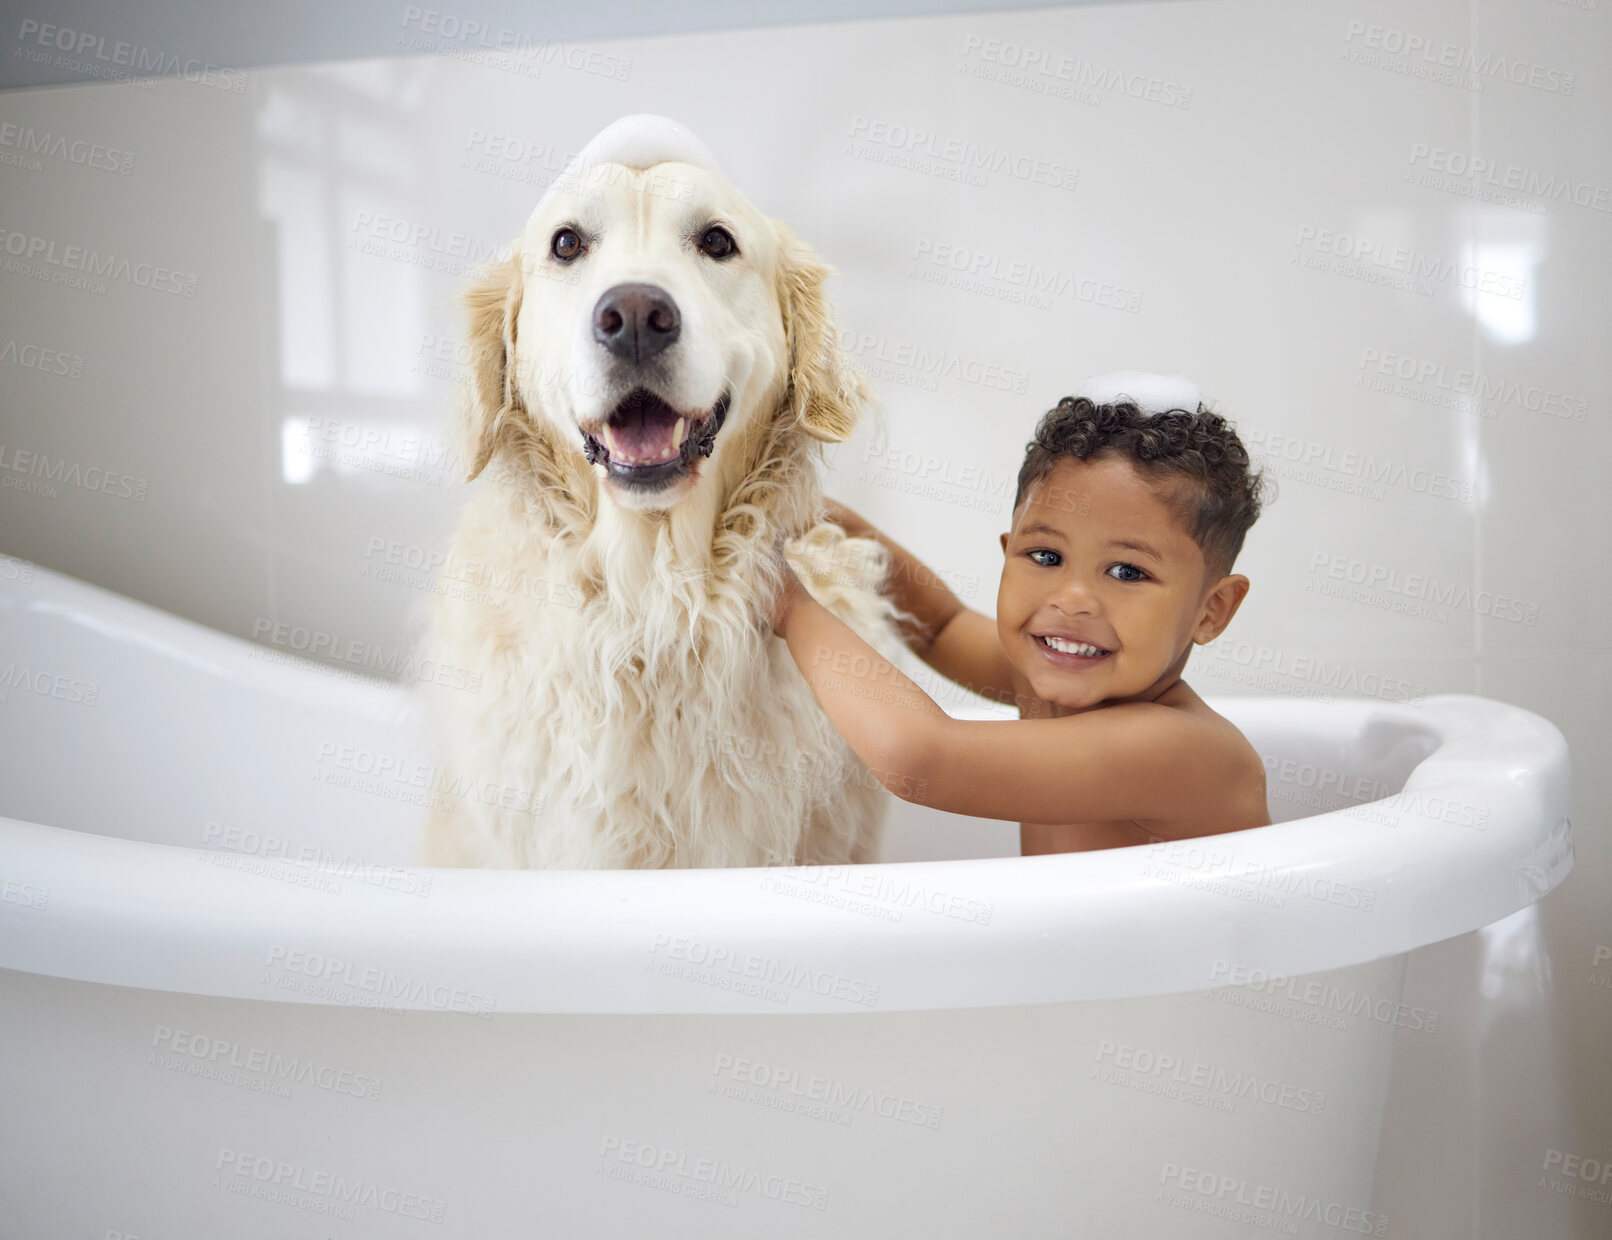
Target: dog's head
column 647, row 320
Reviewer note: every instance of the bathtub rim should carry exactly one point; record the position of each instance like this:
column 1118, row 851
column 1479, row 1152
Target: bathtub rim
column 1062, row 927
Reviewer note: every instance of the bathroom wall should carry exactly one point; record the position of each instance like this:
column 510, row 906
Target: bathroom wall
column 1376, row 233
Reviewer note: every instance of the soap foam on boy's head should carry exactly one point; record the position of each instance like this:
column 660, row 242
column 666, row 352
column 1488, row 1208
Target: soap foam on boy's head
column 1150, row 393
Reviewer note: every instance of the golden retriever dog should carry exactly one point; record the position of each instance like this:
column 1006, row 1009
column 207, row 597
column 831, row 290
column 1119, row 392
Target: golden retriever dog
column 653, row 374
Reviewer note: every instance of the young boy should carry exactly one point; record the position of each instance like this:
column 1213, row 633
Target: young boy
column 1126, row 525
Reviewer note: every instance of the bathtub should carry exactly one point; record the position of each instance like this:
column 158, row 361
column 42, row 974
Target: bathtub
column 232, row 1007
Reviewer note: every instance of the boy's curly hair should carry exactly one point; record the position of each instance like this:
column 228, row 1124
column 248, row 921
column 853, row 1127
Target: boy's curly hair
column 1214, row 493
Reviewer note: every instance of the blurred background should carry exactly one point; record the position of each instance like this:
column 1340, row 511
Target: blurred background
column 1377, row 234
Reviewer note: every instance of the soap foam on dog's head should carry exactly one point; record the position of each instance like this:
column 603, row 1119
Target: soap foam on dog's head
column 639, row 140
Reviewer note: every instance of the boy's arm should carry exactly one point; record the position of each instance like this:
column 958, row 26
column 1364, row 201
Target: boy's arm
column 958, row 642
column 1133, row 760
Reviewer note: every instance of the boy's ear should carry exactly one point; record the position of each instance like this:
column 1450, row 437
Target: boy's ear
column 493, row 403
column 825, row 391
column 1004, row 544
column 1220, row 607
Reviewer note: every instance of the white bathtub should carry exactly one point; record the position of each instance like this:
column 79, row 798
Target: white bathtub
column 201, row 1039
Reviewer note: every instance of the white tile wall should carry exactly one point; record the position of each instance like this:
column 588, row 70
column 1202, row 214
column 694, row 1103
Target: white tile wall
column 260, row 392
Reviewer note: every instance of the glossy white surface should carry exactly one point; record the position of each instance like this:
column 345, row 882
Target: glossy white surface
column 309, row 320
column 1180, row 1115
column 192, row 876
column 1451, row 816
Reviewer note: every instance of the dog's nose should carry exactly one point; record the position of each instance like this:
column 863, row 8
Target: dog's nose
column 636, row 321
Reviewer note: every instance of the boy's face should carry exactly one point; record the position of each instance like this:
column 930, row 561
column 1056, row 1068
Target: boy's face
column 1096, row 557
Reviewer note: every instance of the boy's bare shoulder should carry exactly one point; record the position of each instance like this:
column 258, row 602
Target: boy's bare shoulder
column 1220, row 747
column 1179, row 705
column 1181, row 696
column 1215, row 777
column 1195, row 735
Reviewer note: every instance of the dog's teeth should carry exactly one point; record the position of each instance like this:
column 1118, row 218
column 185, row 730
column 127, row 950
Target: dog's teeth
column 610, row 442
column 677, row 433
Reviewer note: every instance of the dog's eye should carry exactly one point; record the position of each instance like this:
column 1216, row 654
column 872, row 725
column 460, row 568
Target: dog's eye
column 566, row 245
column 717, row 242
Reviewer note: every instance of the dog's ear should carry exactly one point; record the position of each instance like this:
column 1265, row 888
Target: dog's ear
column 492, row 404
column 825, row 391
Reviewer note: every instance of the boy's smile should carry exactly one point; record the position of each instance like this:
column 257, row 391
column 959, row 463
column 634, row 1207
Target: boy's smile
column 1103, row 591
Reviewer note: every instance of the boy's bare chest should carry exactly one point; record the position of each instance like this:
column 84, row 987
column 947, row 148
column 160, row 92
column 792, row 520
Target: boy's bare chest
column 1036, row 839
column 1239, row 813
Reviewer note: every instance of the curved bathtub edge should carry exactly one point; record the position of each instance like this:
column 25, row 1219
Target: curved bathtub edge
column 887, row 937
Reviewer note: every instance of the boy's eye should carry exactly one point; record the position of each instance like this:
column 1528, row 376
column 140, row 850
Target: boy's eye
column 1052, row 563
column 1127, row 572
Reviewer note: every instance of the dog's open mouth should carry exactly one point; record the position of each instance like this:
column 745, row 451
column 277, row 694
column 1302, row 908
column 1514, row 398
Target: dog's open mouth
column 646, row 441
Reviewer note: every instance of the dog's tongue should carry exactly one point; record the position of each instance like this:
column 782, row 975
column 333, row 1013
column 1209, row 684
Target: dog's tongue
column 643, row 430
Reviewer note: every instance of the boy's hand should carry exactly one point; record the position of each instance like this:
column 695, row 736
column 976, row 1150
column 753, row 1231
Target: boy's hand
column 853, row 525
column 788, row 594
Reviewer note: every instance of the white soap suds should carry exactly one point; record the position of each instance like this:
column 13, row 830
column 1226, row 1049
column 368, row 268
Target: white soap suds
column 1150, row 393
column 639, row 140
column 643, row 139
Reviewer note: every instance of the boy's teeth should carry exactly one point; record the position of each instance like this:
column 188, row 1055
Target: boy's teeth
column 1058, row 644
